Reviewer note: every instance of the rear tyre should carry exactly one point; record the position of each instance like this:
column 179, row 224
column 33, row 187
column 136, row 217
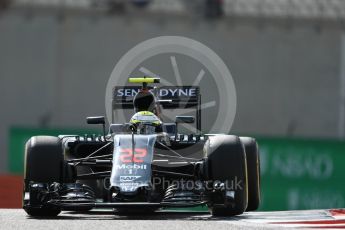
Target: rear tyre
column 43, row 163
column 226, row 162
column 253, row 166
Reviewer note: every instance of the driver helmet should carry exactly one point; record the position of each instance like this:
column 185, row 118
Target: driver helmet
column 146, row 122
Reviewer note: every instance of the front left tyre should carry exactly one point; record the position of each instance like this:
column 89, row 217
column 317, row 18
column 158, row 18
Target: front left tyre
column 226, row 165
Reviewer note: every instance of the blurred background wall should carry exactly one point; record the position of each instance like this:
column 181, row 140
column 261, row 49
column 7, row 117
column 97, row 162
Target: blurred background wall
column 287, row 58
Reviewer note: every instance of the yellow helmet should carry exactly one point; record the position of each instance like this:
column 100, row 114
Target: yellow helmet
column 146, row 122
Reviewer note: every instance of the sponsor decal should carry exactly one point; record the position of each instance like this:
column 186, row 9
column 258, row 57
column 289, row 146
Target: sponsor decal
column 170, row 92
column 128, row 178
column 131, row 166
column 129, row 187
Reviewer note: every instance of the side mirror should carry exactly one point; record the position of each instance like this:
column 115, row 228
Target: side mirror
column 185, row 119
column 95, row 120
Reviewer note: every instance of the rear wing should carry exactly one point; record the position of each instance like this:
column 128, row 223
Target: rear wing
column 168, row 97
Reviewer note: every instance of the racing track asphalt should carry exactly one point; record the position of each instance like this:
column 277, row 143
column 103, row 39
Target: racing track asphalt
column 103, row 219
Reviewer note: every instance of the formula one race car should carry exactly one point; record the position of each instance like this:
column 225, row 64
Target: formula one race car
column 145, row 164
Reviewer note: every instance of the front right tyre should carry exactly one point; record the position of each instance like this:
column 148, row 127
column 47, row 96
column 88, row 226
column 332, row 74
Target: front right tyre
column 43, row 164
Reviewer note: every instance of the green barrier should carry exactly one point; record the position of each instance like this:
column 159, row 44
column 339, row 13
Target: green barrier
column 302, row 174
column 295, row 173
